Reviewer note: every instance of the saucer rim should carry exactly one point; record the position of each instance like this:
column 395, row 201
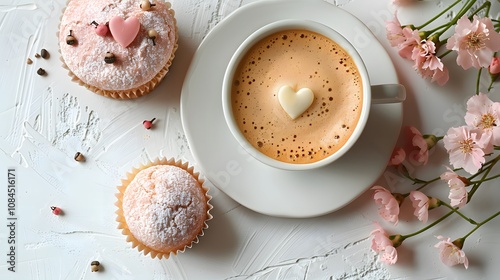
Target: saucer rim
column 260, row 202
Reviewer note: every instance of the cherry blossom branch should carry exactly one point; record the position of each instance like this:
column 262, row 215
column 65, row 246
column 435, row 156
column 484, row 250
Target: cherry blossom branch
column 438, row 15
column 428, row 183
column 486, row 5
column 478, row 80
column 486, row 166
column 455, row 210
column 481, row 224
column 484, row 178
column 429, row 226
column 462, row 11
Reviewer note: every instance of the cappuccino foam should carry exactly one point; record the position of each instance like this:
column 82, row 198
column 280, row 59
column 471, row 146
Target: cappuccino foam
column 299, row 59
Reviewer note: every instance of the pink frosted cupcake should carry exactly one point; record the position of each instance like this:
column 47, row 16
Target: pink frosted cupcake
column 163, row 207
column 119, row 49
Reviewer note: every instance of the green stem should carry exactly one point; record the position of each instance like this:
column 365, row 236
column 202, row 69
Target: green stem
column 429, row 226
column 482, row 223
column 475, row 187
column 438, row 15
column 445, row 53
column 462, row 11
column 459, row 213
column 485, row 175
column 478, row 79
column 428, row 183
column 486, row 166
column 437, row 28
column 485, row 180
column 491, row 85
column 486, row 5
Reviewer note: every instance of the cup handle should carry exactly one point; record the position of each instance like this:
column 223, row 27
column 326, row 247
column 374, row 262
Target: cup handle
column 388, row 93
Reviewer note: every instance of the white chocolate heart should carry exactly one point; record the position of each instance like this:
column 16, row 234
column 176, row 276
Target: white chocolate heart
column 295, row 103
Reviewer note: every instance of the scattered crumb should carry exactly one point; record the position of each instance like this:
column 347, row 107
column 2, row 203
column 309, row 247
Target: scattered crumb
column 29, row 61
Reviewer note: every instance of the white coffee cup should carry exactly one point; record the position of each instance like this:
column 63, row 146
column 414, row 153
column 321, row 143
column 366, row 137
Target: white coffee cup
column 374, row 94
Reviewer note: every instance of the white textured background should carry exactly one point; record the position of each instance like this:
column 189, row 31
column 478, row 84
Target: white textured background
column 45, row 120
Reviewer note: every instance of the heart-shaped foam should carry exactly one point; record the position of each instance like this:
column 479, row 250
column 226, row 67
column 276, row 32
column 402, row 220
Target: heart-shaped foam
column 124, row 31
column 295, row 103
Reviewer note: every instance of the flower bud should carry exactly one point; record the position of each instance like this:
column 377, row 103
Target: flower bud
column 459, row 242
column 434, row 203
column 431, row 140
column 494, row 66
column 397, row 240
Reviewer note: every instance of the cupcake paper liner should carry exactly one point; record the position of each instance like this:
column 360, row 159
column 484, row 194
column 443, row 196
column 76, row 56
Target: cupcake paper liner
column 122, row 224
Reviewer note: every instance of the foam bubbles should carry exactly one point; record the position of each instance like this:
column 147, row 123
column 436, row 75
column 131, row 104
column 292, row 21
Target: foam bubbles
column 299, row 59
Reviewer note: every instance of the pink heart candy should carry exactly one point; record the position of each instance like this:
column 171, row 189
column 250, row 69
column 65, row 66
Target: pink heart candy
column 124, row 31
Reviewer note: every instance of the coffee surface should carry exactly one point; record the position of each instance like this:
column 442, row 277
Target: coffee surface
column 299, row 59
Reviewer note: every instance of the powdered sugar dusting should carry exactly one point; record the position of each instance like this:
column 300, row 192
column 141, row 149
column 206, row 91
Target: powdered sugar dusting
column 164, row 207
column 136, row 64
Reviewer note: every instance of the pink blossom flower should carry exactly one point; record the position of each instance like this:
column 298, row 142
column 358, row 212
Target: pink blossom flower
column 484, row 114
column 438, row 76
column 474, row 41
column 424, row 55
column 412, row 40
column 390, row 255
column 448, row 175
column 428, row 64
column 494, row 67
column 388, row 204
column 458, row 194
column 381, row 243
column 397, row 157
column 421, row 154
column 420, row 203
column 465, row 148
column 380, row 239
column 394, row 31
column 451, row 254
column 414, row 145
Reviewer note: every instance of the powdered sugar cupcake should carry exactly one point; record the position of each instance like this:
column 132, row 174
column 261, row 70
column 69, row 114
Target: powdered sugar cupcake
column 163, row 207
column 119, row 49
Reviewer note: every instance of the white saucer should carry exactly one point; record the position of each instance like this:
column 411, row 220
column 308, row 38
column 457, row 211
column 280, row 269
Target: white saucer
column 265, row 189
